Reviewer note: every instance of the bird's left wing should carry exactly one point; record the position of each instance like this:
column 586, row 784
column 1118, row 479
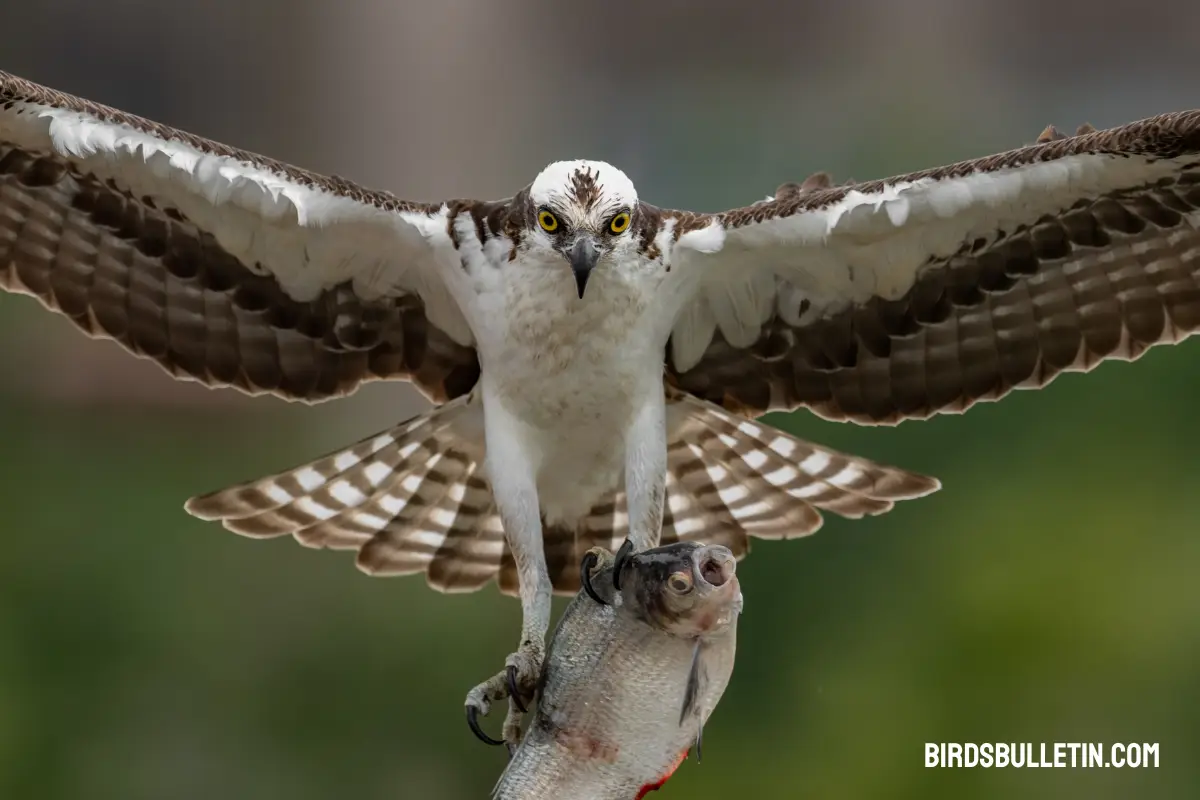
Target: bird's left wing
column 922, row 294
column 226, row 267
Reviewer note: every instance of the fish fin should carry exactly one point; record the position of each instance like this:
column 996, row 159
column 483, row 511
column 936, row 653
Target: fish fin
column 699, row 741
column 691, row 694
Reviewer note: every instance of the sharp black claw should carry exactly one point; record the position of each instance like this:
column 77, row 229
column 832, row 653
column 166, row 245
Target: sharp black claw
column 585, row 577
column 619, row 562
column 473, row 724
column 513, row 694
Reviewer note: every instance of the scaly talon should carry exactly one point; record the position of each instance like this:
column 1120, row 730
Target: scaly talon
column 521, row 673
column 514, row 694
column 479, row 703
column 516, row 681
column 619, row 562
column 590, row 559
column 480, row 734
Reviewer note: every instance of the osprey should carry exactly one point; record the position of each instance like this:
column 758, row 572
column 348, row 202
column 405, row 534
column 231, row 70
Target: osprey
column 597, row 361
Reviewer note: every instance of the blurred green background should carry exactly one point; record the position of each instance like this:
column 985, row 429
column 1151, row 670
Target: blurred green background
column 1048, row 593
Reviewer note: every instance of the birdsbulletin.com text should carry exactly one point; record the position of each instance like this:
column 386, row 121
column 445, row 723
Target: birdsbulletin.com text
column 1075, row 755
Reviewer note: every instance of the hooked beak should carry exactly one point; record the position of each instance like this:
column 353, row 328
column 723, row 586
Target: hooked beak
column 584, row 256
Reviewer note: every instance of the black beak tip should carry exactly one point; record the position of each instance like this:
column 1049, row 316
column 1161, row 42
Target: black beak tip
column 583, row 258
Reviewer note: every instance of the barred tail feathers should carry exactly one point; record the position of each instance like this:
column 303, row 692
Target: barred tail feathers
column 416, row 498
column 411, row 499
column 731, row 473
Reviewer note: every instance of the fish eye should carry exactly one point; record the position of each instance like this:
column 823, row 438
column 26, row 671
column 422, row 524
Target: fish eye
column 619, row 223
column 680, row 582
column 548, row 221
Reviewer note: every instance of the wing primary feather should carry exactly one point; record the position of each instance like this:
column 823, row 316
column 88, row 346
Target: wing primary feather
column 892, row 297
column 222, row 266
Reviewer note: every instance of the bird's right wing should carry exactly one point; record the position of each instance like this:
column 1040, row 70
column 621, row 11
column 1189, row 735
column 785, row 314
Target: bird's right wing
column 223, row 266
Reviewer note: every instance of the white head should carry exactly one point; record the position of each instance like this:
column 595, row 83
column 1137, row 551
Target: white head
column 585, row 212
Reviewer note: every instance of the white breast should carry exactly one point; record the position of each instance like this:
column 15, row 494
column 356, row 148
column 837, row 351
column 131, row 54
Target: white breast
column 561, row 360
column 575, row 371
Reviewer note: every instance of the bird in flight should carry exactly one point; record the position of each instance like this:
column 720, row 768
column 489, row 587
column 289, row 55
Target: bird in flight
column 597, row 362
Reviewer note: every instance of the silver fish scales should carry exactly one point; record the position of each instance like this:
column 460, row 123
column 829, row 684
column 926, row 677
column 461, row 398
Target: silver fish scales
column 631, row 675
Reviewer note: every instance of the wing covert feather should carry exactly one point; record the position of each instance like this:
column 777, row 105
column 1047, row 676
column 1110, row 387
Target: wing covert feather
column 223, row 266
column 926, row 293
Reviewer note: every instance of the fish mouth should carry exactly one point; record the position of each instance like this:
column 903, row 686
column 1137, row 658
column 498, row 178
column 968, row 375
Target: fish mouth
column 715, row 565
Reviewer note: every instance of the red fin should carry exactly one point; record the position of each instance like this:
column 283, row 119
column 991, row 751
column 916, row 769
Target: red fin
column 658, row 784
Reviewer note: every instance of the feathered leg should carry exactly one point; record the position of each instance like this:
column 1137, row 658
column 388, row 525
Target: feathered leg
column 645, row 478
column 512, row 471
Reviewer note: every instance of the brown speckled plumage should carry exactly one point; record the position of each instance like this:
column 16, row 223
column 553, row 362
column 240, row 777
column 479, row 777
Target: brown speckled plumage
column 14, row 89
column 1107, row 275
column 125, row 268
column 1012, row 310
column 584, row 189
column 1164, row 136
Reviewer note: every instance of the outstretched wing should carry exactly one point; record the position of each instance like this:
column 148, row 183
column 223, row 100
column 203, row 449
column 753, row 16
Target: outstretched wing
column 223, row 266
column 903, row 298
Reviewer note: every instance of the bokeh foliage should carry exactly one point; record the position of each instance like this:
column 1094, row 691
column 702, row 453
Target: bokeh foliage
column 1048, row 593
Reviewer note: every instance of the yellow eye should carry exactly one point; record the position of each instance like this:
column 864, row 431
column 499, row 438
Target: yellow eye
column 680, row 582
column 619, row 223
column 548, row 221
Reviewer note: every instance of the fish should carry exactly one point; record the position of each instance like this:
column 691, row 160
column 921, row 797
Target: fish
column 638, row 661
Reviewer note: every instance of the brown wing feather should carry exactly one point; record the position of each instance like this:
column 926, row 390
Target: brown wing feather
column 123, row 267
column 15, row 89
column 1165, row 136
column 1106, row 278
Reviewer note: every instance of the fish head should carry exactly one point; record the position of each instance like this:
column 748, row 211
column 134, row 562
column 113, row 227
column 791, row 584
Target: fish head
column 685, row 588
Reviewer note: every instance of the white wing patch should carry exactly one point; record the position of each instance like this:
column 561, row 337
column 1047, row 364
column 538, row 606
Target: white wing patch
column 308, row 238
column 708, row 239
column 815, row 263
column 891, row 199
